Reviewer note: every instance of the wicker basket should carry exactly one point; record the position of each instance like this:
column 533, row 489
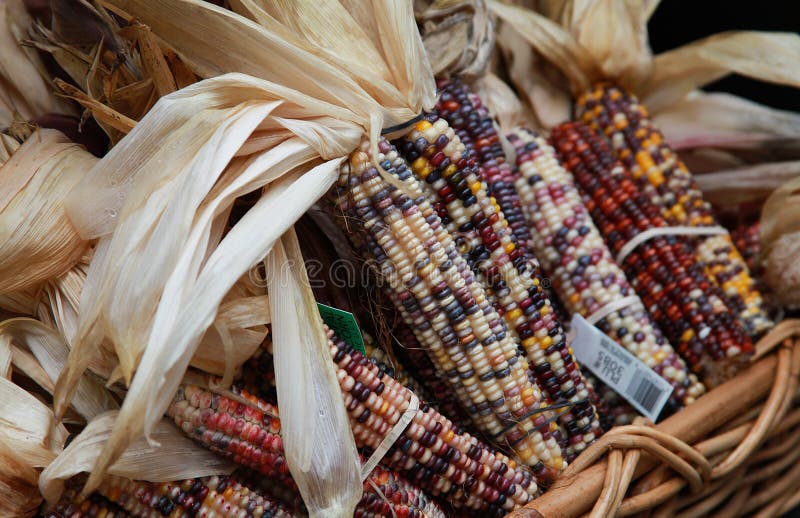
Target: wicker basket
column 732, row 453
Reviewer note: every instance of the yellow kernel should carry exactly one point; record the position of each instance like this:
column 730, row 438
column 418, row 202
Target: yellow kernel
column 418, row 164
column 475, row 187
column 422, row 125
column 547, row 341
column 514, row 314
column 510, row 248
column 687, row 335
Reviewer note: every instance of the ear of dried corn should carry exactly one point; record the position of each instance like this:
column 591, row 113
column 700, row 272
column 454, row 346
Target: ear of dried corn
column 678, row 294
column 585, row 274
column 457, row 157
column 439, row 298
column 661, row 175
column 432, row 451
column 223, row 496
column 247, row 430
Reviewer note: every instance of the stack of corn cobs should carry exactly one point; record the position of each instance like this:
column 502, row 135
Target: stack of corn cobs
column 484, row 242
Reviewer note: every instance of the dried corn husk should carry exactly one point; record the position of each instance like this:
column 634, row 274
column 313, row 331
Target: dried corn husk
column 578, row 42
column 171, row 456
column 121, row 71
column 161, row 268
column 24, row 89
column 780, row 243
column 292, row 303
column 49, row 353
column 30, row 437
column 37, row 240
column 458, row 36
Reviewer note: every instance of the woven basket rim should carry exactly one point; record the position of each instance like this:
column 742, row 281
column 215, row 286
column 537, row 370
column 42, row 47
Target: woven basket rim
column 725, row 428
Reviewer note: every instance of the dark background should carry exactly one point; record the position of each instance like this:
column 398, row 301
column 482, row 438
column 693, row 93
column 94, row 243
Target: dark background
column 677, row 22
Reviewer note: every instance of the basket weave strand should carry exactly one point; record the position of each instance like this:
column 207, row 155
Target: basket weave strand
column 745, row 436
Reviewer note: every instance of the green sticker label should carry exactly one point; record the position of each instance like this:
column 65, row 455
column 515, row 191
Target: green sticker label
column 344, row 325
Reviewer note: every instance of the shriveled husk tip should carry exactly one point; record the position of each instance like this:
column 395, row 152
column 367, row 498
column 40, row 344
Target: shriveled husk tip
column 37, row 239
column 780, row 243
column 458, row 36
column 158, row 200
column 24, row 84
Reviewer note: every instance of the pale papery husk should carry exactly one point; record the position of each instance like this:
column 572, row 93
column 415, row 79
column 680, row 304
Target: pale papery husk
column 170, row 456
column 161, row 269
column 504, row 105
column 586, row 41
column 746, row 184
column 49, row 351
column 37, row 240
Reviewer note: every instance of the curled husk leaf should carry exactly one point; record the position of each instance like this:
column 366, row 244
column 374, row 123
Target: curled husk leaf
column 30, row 438
column 556, row 53
column 458, row 36
column 37, row 239
column 162, row 267
column 780, row 243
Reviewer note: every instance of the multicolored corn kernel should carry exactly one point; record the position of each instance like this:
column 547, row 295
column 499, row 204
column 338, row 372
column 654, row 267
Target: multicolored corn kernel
column 449, row 175
column 747, row 239
column 431, row 452
column 248, row 434
column 245, row 430
column 676, row 291
column 660, row 173
column 386, row 494
column 583, row 271
column 393, row 368
column 436, row 293
column 216, row 496
column 467, row 115
column 437, row 387
column 73, row 505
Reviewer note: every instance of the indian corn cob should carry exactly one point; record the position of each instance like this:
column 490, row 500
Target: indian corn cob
column 392, row 367
column 416, row 357
column 435, row 291
column 247, row 430
column 449, row 174
column 222, row 496
column 678, row 294
column 432, row 452
column 73, row 505
column 470, row 119
column 586, row 276
column 661, row 174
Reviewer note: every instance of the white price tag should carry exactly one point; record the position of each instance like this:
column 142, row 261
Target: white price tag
column 641, row 386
